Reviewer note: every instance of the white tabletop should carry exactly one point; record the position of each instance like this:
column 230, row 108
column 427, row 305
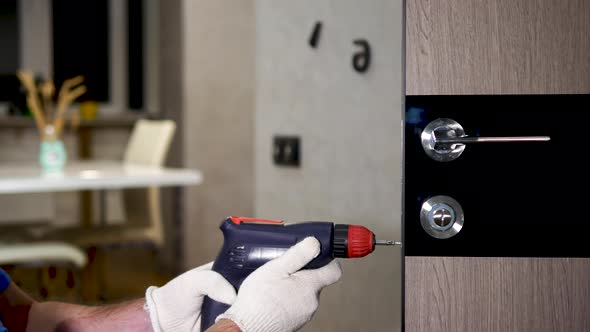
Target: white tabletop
column 92, row 175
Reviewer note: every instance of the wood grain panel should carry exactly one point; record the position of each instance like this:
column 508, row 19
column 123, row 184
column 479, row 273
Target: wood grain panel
column 497, row 47
column 497, row 294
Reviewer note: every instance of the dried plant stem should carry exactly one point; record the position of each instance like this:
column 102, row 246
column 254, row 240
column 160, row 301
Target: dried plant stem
column 63, row 103
column 37, row 114
column 68, row 92
column 65, row 98
column 32, row 98
column 47, row 91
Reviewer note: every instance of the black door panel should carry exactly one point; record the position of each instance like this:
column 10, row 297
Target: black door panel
column 519, row 199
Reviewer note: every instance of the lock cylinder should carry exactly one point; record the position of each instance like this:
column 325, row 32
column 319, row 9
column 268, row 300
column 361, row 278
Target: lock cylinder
column 441, row 217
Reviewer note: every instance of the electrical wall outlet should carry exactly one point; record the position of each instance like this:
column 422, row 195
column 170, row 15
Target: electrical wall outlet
column 286, row 151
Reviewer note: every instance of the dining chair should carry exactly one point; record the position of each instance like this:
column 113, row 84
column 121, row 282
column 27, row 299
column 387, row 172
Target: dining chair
column 147, row 146
column 23, row 252
column 41, row 253
column 143, row 226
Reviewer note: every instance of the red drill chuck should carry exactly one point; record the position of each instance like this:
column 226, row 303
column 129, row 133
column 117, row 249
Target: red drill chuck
column 352, row 241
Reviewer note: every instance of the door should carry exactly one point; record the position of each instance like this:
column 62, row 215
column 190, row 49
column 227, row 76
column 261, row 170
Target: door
column 495, row 167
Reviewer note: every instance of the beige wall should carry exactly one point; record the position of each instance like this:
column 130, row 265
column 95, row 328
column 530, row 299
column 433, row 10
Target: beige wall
column 350, row 126
column 170, row 88
column 218, row 104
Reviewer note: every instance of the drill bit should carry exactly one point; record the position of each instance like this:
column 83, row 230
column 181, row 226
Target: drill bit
column 387, row 243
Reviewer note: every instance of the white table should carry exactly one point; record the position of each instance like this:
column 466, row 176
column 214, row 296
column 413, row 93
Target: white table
column 92, row 175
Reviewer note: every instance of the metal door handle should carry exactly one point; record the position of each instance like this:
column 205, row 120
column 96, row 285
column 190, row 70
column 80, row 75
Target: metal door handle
column 444, row 139
column 467, row 139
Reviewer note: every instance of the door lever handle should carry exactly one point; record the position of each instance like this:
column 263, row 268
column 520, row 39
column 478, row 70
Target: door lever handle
column 470, row 139
column 444, row 139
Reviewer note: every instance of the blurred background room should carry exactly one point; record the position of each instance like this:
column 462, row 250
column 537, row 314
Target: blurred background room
column 154, row 120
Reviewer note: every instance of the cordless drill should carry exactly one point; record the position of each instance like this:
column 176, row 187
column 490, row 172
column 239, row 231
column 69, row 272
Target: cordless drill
column 249, row 243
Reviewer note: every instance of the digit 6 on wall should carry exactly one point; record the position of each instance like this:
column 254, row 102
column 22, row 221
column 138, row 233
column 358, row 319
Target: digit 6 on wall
column 361, row 60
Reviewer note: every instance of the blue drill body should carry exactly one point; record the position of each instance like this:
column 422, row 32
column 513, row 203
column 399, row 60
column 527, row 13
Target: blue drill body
column 248, row 245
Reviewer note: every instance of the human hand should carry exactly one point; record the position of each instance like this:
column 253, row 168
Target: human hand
column 176, row 306
column 277, row 297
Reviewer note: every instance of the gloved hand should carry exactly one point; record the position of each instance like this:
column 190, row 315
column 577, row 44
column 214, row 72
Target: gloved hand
column 277, row 297
column 176, row 306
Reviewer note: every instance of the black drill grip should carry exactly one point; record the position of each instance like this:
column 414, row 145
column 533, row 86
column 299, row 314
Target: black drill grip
column 209, row 311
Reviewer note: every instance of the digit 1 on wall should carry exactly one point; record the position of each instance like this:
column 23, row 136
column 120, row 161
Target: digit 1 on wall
column 315, row 35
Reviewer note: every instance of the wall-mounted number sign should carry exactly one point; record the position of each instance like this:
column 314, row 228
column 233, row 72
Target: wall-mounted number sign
column 361, row 59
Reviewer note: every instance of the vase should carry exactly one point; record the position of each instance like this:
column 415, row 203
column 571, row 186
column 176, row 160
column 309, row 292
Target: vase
column 52, row 154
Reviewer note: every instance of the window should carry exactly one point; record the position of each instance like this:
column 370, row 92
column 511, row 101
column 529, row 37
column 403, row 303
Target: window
column 113, row 43
column 81, row 45
column 8, row 36
column 9, row 56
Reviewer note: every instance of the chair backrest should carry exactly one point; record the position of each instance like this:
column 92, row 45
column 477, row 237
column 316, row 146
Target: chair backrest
column 149, row 142
column 148, row 145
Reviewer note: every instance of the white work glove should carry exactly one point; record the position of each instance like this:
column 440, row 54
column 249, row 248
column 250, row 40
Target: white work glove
column 277, row 297
column 176, row 306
